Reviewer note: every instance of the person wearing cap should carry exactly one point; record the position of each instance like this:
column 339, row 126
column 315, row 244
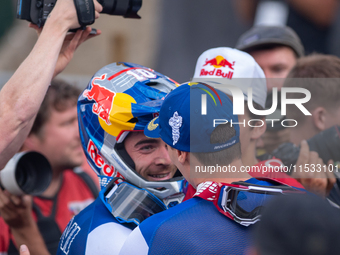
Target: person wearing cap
column 246, row 74
column 276, row 49
column 312, row 20
column 195, row 143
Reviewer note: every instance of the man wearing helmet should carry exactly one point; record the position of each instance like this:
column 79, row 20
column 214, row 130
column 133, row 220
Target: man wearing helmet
column 150, row 157
column 136, row 174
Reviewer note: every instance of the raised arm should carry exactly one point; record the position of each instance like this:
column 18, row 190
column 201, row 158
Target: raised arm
column 21, row 96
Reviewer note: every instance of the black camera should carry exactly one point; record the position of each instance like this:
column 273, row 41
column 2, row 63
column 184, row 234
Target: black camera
column 37, row 11
column 26, row 173
column 325, row 143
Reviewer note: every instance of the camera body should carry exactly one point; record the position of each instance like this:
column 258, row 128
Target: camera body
column 37, row 11
column 325, row 143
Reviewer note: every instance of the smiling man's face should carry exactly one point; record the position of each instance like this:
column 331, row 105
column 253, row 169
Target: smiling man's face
column 150, row 156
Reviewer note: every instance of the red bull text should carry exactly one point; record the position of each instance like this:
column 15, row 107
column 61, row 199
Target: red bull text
column 98, row 160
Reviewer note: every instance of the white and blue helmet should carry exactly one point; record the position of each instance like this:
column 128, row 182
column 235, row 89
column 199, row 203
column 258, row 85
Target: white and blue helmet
column 120, row 98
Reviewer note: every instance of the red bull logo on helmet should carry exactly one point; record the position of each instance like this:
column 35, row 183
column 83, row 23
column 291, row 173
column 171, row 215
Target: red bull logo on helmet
column 98, row 160
column 103, row 99
column 218, row 63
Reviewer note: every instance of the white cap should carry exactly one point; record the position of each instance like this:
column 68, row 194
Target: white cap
column 232, row 64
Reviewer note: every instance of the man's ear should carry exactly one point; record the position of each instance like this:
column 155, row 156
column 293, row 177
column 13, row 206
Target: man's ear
column 319, row 117
column 31, row 143
column 258, row 131
column 182, row 156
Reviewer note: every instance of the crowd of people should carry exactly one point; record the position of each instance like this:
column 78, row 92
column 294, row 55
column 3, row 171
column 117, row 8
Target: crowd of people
column 192, row 168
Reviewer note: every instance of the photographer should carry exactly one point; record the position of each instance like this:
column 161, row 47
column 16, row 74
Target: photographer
column 55, row 135
column 276, row 49
column 20, row 99
column 323, row 105
column 21, row 96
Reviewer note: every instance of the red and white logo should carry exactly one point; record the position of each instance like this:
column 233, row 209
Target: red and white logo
column 102, row 97
column 98, row 160
column 207, row 190
column 219, row 63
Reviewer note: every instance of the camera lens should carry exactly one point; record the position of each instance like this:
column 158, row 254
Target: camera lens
column 26, row 173
column 126, row 8
column 33, row 173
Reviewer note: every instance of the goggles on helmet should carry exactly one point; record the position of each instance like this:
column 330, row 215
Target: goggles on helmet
column 241, row 201
column 129, row 204
column 245, row 201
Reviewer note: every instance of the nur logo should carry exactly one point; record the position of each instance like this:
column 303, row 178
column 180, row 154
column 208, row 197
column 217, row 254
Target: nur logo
column 238, row 99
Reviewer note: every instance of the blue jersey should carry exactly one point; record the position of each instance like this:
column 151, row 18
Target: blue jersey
column 192, row 227
column 93, row 231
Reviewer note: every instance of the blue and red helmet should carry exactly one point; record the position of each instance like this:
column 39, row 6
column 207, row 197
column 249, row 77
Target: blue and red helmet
column 121, row 98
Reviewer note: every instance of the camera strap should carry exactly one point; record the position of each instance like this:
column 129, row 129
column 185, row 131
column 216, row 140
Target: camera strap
column 85, row 12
